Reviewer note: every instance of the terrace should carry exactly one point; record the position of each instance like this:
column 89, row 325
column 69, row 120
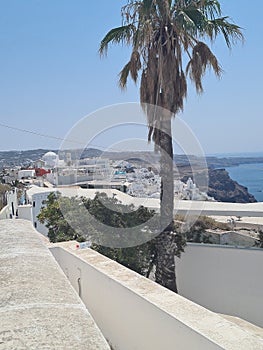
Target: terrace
column 41, row 309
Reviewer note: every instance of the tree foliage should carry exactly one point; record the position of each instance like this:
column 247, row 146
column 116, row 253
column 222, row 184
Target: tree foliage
column 111, row 213
column 259, row 242
column 51, row 215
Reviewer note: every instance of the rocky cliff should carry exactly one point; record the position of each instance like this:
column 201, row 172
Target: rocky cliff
column 224, row 189
column 220, row 186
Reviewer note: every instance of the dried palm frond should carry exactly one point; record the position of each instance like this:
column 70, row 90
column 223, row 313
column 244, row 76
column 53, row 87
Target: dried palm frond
column 202, row 58
column 135, row 65
column 123, row 75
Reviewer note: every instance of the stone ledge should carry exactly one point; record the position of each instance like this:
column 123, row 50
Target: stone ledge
column 196, row 318
column 39, row 309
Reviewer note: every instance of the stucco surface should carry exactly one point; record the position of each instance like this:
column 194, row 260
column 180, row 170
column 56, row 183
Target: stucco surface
column 173, row 322
column 39, row 309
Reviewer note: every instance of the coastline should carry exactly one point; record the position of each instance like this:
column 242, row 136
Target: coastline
column 250, row 176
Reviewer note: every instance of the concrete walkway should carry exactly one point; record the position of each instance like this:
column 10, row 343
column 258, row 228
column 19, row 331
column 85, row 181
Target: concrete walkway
column 39, row 309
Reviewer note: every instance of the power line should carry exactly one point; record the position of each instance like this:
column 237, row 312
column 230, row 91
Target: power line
column 56, row 137
column 39, row 134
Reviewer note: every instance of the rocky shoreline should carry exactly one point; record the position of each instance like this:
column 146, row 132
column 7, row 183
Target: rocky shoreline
column 220, row 186
column 225, row 189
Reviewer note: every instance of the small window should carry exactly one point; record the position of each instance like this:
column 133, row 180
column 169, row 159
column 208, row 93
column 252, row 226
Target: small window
column 35, row 224
column 34, row 204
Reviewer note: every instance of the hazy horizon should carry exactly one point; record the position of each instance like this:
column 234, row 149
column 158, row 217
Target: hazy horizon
column 218, row 155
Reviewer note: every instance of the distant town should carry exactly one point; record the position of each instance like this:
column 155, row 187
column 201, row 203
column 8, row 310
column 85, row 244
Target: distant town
column 28, row 177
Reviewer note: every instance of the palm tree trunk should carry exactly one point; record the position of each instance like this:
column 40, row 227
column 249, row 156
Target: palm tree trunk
column 166, row 245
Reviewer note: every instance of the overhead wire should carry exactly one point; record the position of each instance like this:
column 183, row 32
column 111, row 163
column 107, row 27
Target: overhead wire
column 57, row 137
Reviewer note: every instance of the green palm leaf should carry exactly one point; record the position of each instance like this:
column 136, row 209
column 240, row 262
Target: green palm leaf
column 231, row 32
column 117, row 35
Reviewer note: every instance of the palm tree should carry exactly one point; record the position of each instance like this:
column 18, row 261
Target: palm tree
column 169, row 42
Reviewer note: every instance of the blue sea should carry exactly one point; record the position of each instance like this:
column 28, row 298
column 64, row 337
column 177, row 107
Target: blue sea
column 248, row 175
column 251, row 176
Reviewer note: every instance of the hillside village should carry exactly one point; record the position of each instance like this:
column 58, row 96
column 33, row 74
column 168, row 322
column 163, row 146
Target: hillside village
column 131, row 182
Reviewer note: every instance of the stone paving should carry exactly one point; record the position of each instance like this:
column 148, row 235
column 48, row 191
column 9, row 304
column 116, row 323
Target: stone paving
column 39, row 309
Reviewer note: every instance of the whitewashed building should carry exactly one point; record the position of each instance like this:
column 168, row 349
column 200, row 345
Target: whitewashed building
column 26, row 173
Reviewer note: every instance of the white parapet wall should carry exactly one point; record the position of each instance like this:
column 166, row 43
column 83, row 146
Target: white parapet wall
column 223, row 279
column 237, row 239
column 25, row 212
column 5, row 213
column 136, row 313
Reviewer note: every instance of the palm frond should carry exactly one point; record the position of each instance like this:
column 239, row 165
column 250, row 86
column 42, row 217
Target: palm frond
column 184, row 23
column 202, row 58
column 231, row 32
column 163, row 8
column 147, row 6
column 210, row 8
column 135, row 65
column 123, row 75
column 160, row 32
column 117, row 35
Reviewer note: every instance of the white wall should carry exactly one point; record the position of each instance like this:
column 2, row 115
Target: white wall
column 224, row 279
column 66, row 179
column 230, row 238
column 12, row 201
column 37, row 204
column 25, row 212
column 5, row 213
column 135, row 313
column 237, row 239
column 12, row 205
column 26, row 173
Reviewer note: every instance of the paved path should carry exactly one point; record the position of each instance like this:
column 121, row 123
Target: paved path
column 38, row 307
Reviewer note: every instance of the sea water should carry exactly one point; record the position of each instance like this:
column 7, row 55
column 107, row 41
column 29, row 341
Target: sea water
column 250, row 176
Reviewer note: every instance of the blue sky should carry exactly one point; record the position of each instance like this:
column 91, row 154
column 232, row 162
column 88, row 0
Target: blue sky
column 51, row 75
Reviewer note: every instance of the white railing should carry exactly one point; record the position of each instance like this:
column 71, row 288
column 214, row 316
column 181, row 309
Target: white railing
column 5, row 213
column 136, row 313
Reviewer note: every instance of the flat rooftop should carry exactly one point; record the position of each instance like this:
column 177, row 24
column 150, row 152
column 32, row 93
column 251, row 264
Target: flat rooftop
column 39, row 309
